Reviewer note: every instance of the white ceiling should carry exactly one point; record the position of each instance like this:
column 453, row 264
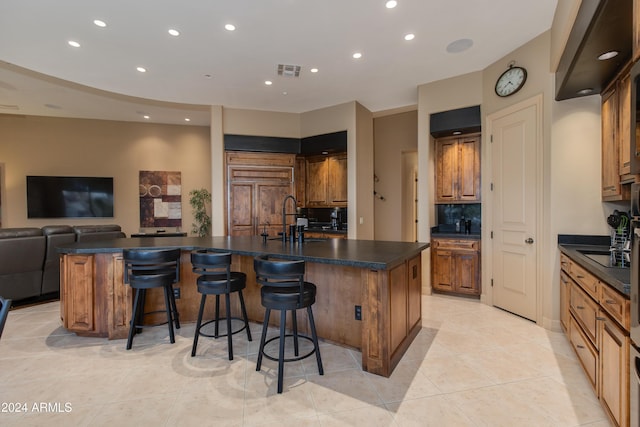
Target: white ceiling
column 40, row 74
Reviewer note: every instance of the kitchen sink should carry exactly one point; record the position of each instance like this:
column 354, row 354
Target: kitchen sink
column 609, row 259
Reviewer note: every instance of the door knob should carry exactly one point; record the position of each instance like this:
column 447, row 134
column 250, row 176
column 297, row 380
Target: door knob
column 529, row 241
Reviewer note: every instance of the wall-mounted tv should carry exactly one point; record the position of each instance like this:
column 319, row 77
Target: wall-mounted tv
column 69, row 197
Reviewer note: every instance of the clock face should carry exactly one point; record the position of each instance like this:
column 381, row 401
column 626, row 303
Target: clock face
column 511, row 81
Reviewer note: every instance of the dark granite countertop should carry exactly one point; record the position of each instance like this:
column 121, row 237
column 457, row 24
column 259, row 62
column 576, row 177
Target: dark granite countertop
column 617, row 278
column 372, row 254
column 449, row 232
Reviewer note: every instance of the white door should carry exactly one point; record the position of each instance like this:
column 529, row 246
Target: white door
column 514, row 164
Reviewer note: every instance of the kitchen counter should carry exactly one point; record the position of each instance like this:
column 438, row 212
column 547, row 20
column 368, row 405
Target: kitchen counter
column 617, row 278
column 382, row 281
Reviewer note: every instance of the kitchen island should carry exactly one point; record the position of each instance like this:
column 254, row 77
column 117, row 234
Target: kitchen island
column 377, row 281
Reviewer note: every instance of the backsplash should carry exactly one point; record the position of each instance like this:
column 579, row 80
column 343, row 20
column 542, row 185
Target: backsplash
column 451, row 214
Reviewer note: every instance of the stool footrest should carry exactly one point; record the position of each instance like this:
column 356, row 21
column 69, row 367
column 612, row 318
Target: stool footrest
column 199, row 331
column 293, row 359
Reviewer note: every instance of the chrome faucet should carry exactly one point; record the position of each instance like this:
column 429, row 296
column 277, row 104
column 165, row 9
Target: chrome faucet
column 284, row 215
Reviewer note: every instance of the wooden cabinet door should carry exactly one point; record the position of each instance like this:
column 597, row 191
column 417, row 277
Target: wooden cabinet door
column 446, row 170
column 469, row 169
column 398, row 304
column 78, row 299
column 614, row 370
column 299, row 177
column 337, row 180
column 610, row 154
column 624, row 122
column 316, row 182
column 442, row 270
column 466, row 273
column 268, row 202
column 241, row 209
column 564, row 301
column 636, row 30
column 415, row 291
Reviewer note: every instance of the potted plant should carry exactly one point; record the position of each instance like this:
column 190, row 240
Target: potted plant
column 198, row 199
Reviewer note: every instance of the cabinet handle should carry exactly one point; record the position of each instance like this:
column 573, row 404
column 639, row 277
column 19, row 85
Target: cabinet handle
column 601, row 318
column 562, row 280
column 610, row 301
column 580, row 307
column 579, row 276
column 580, row 346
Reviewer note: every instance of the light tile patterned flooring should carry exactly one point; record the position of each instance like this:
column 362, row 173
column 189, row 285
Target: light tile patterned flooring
column 471, row 365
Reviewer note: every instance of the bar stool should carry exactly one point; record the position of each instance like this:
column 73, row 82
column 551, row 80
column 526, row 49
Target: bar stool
column 284, row 289
column 146, row 269
column 216, row 278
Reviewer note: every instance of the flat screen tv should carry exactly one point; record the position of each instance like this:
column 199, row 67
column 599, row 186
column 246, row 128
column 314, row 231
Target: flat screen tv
column 69, row 197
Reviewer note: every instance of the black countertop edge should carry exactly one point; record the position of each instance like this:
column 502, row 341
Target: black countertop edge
column 471, row 236
column 617, row 278
column 579, row 239
column 371, row 254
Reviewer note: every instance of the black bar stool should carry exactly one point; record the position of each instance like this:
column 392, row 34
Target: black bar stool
column 146, row 269
column 216, row 278
column 5, row 304
column 284, row 289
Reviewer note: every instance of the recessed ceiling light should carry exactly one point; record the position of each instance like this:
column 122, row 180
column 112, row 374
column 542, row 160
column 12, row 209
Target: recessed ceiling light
column 187, row 119
column 285, row 93
column 324, row 152
column 73, row 43
column 207, row 76
column 268, row 82
column 357, row 55
column 457, row 132
column 314, row 70
column 409, row 36
column 608, row 55
column 146, row 117
column 391, row 4
column 460, row 45
column 141, row 69
column 230, row 27
column 585, row 91
column 99, row 23
column 174, row 32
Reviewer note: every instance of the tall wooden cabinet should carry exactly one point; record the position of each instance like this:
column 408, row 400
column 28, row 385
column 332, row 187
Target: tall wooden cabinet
column 636, row 30
column 458, row 169
column 455, row 265
column 257, row 184
column 326, row 181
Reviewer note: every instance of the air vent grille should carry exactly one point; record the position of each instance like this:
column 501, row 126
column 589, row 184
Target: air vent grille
column 289, row 70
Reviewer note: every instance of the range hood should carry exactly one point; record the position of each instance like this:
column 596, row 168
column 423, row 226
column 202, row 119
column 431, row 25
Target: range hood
column 601, row 26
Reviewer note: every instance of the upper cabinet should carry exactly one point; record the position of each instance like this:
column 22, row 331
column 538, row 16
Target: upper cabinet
column 458, row 169
column 616, row 138
column 326, row 181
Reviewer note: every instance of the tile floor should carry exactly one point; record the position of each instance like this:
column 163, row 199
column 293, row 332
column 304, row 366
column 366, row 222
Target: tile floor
column 471, row 365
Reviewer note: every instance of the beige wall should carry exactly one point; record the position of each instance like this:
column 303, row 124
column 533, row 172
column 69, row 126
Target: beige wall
column 393, row 135
column 79, row 147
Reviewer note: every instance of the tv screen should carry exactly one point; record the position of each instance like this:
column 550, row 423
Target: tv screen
column 69, row 197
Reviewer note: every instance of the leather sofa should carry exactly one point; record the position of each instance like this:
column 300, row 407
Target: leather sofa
column 29, row 261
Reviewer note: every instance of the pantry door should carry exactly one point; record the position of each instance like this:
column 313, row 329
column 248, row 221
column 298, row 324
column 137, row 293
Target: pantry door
column 516, row 138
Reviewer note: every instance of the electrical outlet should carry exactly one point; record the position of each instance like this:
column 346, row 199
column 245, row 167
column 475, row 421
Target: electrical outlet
column 176, row 293
column 358, row 312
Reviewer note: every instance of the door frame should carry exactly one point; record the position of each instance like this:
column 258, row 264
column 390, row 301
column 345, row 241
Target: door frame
column 487, row 208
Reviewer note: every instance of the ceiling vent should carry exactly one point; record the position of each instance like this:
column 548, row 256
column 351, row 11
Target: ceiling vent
column 289, row 70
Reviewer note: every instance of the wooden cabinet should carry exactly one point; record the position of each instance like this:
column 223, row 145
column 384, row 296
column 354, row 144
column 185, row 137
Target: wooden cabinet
column 598, row 330
column 300, row 179
column 405, row 296
column 455, row 265
column 614, row 370
column 324, row 235
column 458, row 169
column 326, row 181
column 636, row 30
column 564, row 301
column 616, row 138
column 257, row 184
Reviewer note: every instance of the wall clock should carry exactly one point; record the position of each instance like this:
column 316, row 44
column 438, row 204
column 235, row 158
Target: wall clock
column 511, row 81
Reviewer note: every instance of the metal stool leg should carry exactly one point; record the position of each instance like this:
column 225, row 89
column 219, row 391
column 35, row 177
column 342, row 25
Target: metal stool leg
column 167, row 302
column 244, row 315
column 294, row 321
column 134, row 317
column 227, row 301
column 216, row 329
column 198, row 323
column 312, row 323
column 263, row 338
column 174, row 308
column 283, row 325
